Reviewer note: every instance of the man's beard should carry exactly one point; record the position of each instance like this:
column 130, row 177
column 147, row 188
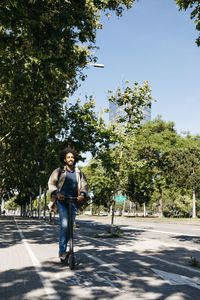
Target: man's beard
column 70, row 163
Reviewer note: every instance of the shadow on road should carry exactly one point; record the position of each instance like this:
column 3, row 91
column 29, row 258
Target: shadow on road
column 131, row 277
column 185, row 238
column 34, row 230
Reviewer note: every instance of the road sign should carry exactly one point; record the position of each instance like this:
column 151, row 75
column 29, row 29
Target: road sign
column 120, row 198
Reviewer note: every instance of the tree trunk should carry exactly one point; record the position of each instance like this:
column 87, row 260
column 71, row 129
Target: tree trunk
column 45, row 203
column 144, row 209
column 124, row 207
column 160, row 209
column 194, row 205
column 25, row 210
column 115, row 193
column 30, row 207
column 130, row 206
column 91, row 207
column 39, row 203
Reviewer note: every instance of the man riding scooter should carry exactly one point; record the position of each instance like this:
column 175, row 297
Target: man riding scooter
column 64, row 183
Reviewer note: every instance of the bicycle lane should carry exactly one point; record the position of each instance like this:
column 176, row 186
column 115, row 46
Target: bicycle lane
column 90, row 280
column 47, row 266
column 20, row 273
column 105, row 270
column 38, row 248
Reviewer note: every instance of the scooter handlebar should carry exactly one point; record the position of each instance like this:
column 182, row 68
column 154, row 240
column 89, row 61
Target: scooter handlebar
column 71, row 198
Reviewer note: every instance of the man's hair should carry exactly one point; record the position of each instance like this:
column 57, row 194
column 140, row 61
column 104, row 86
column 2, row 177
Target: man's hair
column 65, row 151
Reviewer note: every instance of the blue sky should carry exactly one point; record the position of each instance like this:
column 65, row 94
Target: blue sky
column 153, row 41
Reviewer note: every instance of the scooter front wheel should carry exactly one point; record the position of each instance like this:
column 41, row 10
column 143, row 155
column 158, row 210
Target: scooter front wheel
column 71, row 261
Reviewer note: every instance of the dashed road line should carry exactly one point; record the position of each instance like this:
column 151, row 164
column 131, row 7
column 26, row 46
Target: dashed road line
column 104, row 264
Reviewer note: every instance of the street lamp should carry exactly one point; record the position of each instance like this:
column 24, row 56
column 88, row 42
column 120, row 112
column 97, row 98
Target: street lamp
column 96, row 65
column 90, row 64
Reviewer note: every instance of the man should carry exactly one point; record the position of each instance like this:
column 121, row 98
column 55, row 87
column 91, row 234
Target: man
column 63, row 183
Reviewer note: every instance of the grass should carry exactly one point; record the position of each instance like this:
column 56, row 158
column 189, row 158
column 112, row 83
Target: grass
column 115, row 234
column 194, row 262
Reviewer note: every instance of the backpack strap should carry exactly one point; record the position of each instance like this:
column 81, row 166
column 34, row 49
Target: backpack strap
column 59, row 173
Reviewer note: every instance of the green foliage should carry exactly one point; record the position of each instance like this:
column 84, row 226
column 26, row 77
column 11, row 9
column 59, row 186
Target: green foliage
column 195, row 13
column 116, row 232
column 133, row 101
column 194, row 262
column 11, row 204
column 103, row 172
column 183, row 206
column 172, row 161
column 186, row 161
column 44, row 46
column 37, row 154
column 84, row 129
column 152, row 168
column 148, row 162
column 175, row 204
column 35, row 202
column 101, row 183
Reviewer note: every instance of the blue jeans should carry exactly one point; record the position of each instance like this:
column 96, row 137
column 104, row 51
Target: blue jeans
column 63, row 217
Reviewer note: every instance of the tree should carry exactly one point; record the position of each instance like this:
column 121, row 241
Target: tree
column 160, row 162
column 195, row 14
column 33, row 156
column 43, row 48
column 53, row 38
column 186, row 162
column 11, row 204
column 133, row 100
column 100, row 182
column 136, row 179
column 153, row 148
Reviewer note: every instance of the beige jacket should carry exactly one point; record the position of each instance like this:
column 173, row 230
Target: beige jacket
column 55, row 184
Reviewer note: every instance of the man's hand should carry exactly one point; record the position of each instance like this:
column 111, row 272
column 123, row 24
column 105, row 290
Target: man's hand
column 80, row 198
column 60, row 196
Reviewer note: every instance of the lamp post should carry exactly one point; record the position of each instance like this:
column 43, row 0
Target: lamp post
column 90, row 64
column 96, row 65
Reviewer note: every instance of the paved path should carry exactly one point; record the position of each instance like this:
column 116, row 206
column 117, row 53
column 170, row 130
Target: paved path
column 149, row 261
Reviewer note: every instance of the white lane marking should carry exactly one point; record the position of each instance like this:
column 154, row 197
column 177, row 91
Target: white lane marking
column 167, row 232
column 104, row 264
column 176, row 279
column 174, row 264
column 95, row 239
column 123, row 248
column 50, row 291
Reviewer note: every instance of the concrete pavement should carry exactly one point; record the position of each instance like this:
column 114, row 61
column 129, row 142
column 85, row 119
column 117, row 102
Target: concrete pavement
column 147, row 262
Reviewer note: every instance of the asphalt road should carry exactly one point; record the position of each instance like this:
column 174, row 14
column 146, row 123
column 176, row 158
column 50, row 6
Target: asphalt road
column 149, row 261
